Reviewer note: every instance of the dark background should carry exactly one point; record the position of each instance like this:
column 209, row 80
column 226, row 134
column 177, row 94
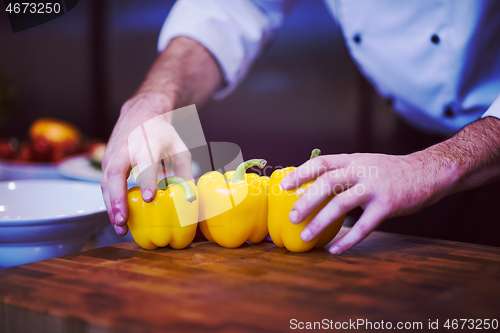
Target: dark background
column 304, row 92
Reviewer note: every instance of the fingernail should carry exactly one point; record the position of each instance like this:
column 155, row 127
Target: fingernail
column 306, row 235
column 119, row 230
column 119, row 219
column 293, row 216
column 284, row 184
column 147, row 195
column 335, row 250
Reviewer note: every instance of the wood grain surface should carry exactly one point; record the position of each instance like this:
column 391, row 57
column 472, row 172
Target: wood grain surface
column 205, row 287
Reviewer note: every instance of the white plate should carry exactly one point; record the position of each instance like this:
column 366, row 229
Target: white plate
column 41, row 219
column 43, row 200
column 80, row 168
column 10, row 170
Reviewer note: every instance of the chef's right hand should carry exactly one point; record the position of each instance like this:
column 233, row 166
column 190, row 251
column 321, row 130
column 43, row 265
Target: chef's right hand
column 119, row 158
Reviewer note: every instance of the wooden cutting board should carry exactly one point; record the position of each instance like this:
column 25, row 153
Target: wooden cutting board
column 205, row 287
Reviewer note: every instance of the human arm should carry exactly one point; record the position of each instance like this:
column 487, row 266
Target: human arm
column 233, row 34
column 394, row 185
column 236, row 32
column 185, row 73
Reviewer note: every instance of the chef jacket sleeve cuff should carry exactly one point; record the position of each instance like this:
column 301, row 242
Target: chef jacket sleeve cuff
column 235, row 32
column 494, row 110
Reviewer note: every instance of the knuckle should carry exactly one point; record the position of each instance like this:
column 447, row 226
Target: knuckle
column 142, row 156
column 385, row 201
column 315, row 227
column 342, row 202
column 321, row 164
column 331, row 175
column 115, row 203
column 364, row 228
column 113, row 171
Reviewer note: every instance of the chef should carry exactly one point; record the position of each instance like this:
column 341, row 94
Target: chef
column 438, row 61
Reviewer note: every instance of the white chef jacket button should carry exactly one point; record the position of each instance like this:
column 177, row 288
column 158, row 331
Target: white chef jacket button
column 448, row 112
column 357, row 38
column 435, row 39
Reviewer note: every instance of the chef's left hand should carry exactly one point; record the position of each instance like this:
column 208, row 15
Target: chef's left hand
column 384, row 186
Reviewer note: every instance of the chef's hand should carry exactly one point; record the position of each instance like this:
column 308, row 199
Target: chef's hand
column 185, row 73
column 383, row 185
column 386, row 186
column 119, row 157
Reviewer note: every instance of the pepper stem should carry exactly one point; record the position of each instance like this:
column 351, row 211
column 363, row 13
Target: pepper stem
column 315, row 153
column 239, row 174
column 189, row 195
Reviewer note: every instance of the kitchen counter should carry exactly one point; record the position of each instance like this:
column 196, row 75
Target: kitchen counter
column 388, row 277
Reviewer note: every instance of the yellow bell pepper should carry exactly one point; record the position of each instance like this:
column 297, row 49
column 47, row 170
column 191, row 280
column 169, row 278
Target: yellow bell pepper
column 283, row 232
column 233, row 206
column 170, row 219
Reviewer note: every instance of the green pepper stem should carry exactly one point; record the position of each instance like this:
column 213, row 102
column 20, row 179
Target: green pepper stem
column 239, row 174
column 190, row 194
column 315, row 153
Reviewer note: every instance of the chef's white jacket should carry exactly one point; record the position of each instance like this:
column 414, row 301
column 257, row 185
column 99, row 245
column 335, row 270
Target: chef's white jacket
column 438, row 60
